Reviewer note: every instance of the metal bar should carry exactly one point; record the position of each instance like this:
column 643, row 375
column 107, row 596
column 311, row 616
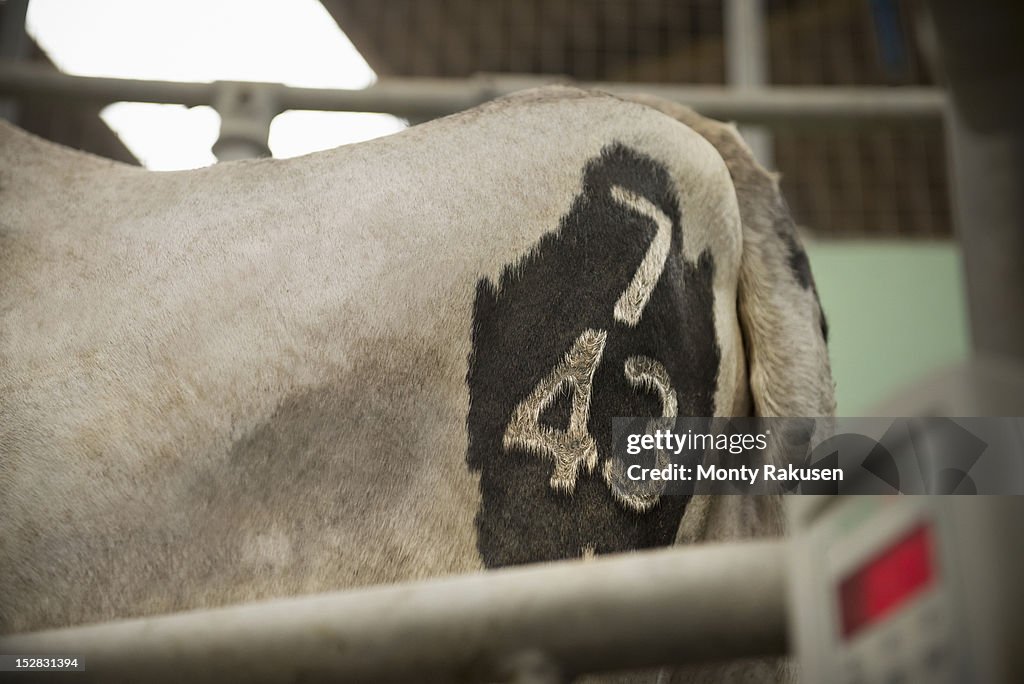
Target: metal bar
column 981, row 52
column 245, row 117
column 746, row 50
column 14, row 45
column 746, row 64
column 665, row 607
column 421, row 98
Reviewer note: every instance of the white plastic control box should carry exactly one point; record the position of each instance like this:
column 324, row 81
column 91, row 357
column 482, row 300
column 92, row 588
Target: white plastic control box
column 907, row 588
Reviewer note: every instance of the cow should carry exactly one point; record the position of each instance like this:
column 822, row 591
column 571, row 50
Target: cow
column 389, row 361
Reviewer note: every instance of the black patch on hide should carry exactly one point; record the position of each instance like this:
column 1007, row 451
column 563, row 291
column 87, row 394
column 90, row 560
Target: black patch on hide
column 522, row 331
column 799, row 264
column 556, row 415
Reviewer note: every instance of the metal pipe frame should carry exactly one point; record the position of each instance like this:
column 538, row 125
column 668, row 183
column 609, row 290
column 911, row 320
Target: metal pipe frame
column 538, row 623
column 14, row 44
column 981, row 51
column 746, row 64
column 425, row 98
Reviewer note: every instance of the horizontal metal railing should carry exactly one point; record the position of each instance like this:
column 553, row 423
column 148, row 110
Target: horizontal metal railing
column 424, row 98
column 535, row 623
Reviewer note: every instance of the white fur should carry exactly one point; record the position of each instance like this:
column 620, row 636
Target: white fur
column 168, row 341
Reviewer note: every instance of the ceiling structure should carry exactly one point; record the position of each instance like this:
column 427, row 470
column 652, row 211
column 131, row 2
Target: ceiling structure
column 889, row 182
column 72, row 124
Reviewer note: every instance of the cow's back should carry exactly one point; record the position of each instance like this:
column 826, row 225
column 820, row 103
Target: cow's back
column 276, row 377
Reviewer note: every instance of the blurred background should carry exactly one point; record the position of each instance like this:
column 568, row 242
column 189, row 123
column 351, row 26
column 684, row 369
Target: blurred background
column 873, row 201
column 900, row 147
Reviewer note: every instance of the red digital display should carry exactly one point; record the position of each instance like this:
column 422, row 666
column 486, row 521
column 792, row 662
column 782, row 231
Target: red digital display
column 885, row 582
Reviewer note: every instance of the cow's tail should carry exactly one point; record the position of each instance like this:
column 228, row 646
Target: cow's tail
column 784, row 328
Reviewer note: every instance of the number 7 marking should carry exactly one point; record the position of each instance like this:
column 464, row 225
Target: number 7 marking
column 630, row 305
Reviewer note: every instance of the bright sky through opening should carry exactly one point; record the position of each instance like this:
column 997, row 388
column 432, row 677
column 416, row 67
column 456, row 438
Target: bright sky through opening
column 295, row 42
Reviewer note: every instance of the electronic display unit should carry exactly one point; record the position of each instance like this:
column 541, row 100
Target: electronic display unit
column 906, row 588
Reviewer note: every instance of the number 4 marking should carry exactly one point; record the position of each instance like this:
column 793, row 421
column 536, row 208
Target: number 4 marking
column 574, row 448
